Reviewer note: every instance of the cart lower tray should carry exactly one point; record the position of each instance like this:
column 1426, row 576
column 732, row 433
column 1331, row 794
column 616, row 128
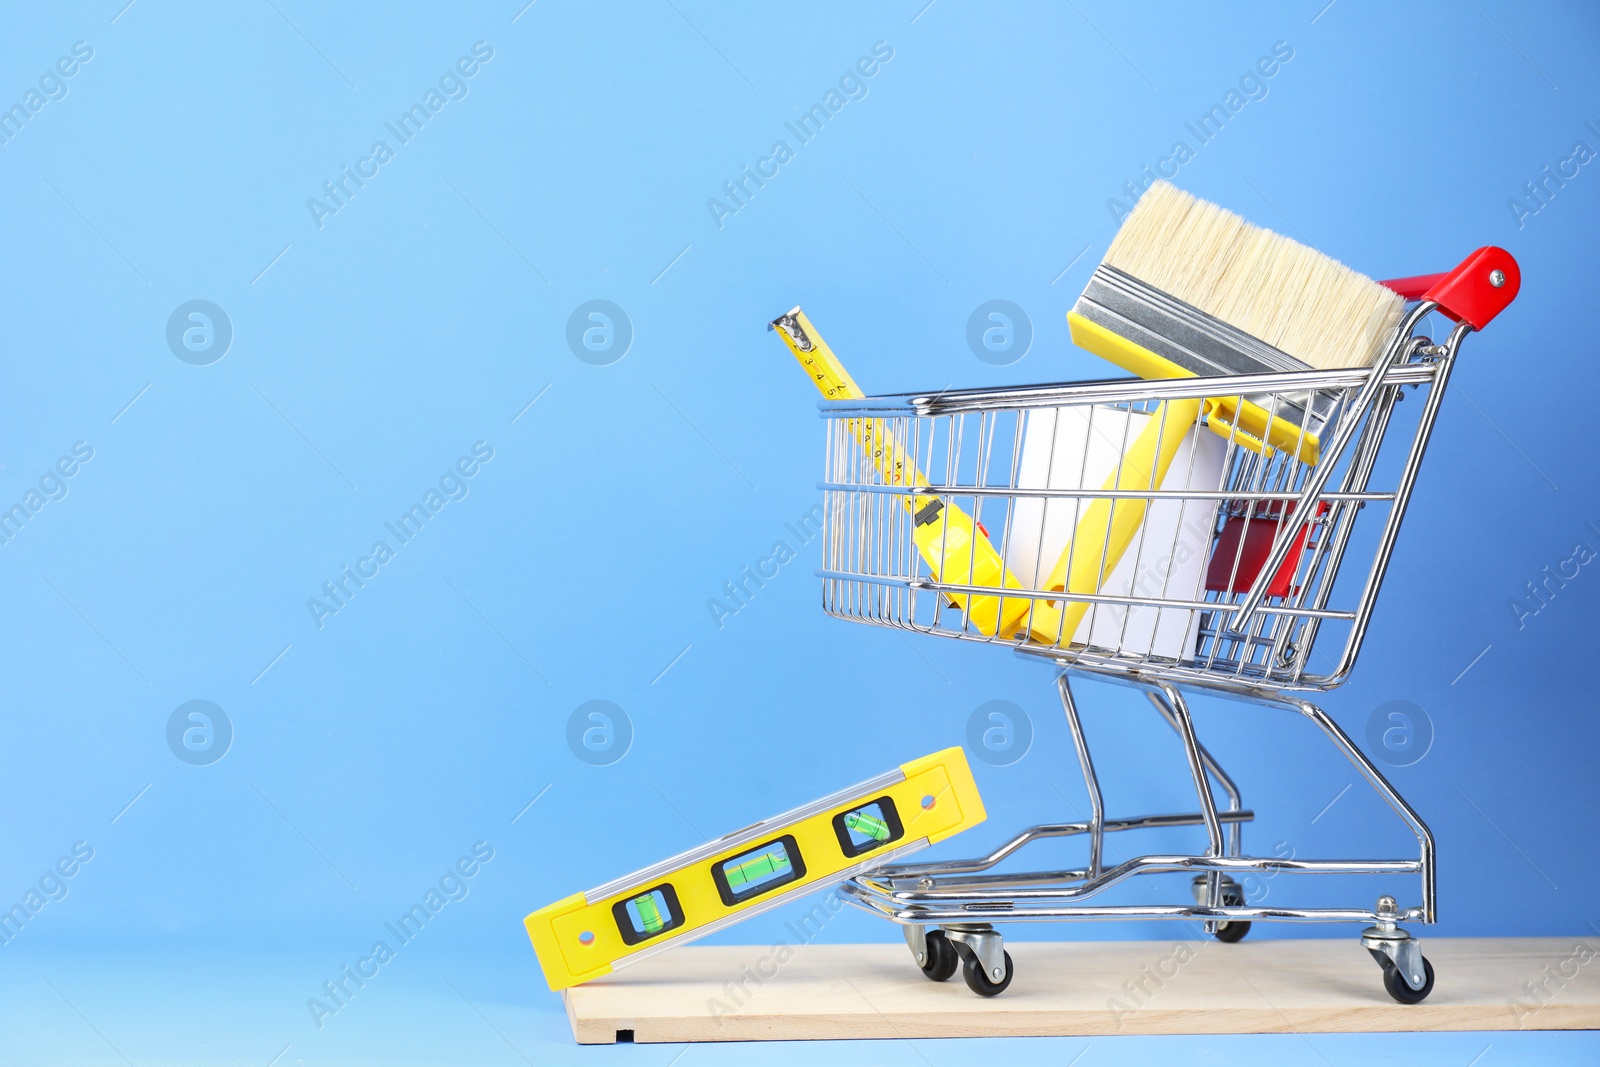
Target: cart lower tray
column 1177, row 986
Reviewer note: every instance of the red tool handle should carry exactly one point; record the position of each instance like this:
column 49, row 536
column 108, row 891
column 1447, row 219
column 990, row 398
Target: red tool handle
column 1475, row 292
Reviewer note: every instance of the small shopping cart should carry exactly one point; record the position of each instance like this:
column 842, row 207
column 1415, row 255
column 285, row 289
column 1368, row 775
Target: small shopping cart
column 1252, row 571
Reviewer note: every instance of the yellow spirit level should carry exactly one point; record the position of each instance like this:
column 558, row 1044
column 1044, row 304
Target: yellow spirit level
column 956, row 549
column 748, row 871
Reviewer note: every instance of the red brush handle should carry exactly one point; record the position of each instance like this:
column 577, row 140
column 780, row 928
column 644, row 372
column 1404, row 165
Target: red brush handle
column 1475, row 292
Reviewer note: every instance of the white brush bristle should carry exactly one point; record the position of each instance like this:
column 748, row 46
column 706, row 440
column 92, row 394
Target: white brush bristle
column 1292, row 297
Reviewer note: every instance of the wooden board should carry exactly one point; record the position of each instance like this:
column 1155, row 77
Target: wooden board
column 817, row 992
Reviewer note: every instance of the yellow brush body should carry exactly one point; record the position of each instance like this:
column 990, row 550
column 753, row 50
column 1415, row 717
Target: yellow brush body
column 1230, row 416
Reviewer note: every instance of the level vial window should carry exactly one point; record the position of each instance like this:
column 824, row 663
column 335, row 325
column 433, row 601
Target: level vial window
column 870, row 826
column 760, row 870
column 648, row 914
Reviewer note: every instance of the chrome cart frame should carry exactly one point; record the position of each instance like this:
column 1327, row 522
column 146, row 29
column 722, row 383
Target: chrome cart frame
column 1251, row 632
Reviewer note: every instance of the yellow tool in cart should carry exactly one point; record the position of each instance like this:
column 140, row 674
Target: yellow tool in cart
column 748, row 871
column 955, row 548
column 1109, row 524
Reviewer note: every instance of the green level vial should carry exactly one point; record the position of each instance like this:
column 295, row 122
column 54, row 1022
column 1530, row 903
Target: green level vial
column 867, row 825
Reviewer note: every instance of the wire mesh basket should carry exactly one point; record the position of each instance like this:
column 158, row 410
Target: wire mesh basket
column 1230, row 572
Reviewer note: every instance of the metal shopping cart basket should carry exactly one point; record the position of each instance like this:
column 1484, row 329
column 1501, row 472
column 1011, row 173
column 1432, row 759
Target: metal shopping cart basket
column 1292, row 512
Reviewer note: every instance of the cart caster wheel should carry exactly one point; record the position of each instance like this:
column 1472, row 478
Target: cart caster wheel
column 941, row 959
column 980, row 983
column 1232, row 931
column 1399, row 988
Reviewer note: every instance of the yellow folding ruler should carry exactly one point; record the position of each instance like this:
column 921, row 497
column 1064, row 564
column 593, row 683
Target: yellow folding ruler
column 954, row 547
column 748, row 871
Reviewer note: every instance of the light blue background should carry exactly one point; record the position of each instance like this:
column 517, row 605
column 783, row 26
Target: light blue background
column 370, row 353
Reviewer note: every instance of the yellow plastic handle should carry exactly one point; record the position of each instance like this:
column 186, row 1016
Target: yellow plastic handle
column 1109, row 524
column 1219, row 423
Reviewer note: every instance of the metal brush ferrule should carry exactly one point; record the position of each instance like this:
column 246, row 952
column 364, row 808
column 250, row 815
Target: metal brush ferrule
column 1184, row 335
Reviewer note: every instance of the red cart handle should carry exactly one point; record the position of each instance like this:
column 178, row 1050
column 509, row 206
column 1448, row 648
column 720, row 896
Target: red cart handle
column 1475, row 292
